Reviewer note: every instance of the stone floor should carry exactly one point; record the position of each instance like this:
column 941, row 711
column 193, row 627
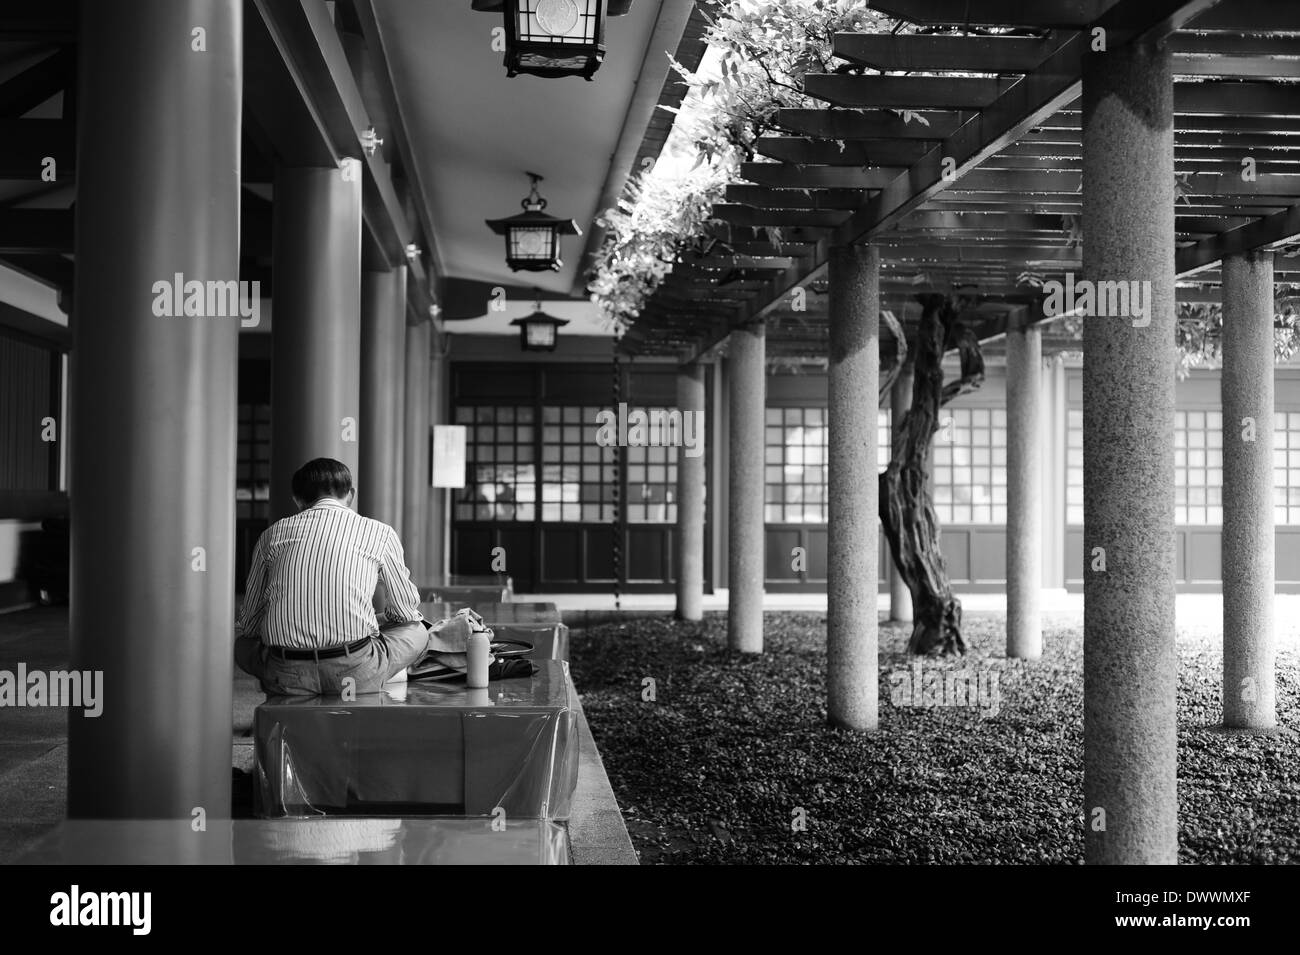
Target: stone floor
column 33, row 742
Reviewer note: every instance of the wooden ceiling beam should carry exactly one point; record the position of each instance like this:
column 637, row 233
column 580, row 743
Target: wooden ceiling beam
column 762, row 248
column 760, row 218
column 777, row 262
column 913, row 53
column 1250, row 16
column 789, row 176
column 36, row 231
column 869, row 123
column 1278, row 227
column 974, row 254
column 1068, row 118
column 1187, row 43
column 1022, row 107
column 25, row 144
column 1053, row 14
column 858, row 152
column 904, row 92
column 1019, row 227
column 40, row 81
column 1237, row 98
column 1185, row 142
column 765, row 198
column 1221, row 64
column 50, row 21
column 1017, row 182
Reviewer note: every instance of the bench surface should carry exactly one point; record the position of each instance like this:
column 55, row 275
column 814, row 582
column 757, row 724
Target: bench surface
column 494, row 613
column 497, row 588
column 318, row 841
column 488, row 593
column 473, row 580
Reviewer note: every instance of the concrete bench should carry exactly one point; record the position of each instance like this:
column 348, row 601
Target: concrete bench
column 422, row 749
column 467, row 595
column 488, row 588
column 318, row 841
column 478, row 580
column 527, row 612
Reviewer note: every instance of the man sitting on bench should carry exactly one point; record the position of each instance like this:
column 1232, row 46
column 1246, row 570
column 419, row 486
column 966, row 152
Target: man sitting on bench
column 308, row 624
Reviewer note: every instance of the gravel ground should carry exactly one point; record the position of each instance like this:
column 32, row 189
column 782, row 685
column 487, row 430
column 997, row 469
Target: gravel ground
column 732, row 760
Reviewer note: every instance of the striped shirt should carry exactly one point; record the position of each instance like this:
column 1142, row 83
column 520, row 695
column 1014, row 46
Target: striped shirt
column 313, row 578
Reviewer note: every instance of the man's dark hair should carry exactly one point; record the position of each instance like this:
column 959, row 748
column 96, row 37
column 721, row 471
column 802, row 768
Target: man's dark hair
column 320, row 477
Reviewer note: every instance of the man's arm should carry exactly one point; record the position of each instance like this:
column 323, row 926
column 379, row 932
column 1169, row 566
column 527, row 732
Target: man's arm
column 254, row 606
column 403, row 596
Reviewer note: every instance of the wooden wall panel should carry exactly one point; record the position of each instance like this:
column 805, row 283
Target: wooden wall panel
column 27, row 395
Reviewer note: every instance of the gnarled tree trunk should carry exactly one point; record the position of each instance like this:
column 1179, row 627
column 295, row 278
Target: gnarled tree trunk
column 906, row 503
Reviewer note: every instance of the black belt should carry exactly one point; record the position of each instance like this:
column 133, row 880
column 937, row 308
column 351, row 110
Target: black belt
column 324, row 653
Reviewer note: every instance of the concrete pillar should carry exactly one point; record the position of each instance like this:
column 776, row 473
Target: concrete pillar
column 900, row 400
column 746, row 358
column 399, row 455
column 415, row 452
column 383, row 371
column 853, row 531
column 1024, row 492
column 715, row 501
column 435, row 520
column 1055, row 421
column 316, row 332
column 1249, row 688
column 853, row 513
column 153, row 415
column 1130, row 669
column 689, row 561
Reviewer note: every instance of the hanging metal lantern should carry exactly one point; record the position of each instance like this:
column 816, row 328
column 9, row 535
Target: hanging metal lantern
column 539, row 331
column 554, row 38
column 532, row 236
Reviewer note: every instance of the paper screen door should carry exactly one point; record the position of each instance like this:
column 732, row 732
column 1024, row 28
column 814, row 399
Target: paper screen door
column 448, row 455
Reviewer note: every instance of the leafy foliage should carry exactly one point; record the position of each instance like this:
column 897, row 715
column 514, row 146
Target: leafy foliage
column 645, row 234
column 765, row 49
column 1199, row 333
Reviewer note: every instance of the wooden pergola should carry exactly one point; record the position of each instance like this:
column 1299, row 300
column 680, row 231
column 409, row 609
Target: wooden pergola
column 1009, row 202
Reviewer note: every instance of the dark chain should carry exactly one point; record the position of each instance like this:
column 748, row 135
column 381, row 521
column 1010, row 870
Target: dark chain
column 618, row 479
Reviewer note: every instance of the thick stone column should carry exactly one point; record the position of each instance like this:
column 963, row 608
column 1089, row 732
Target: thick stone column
column 1055, row 420
column 1024, row 492
column 689, row 561
column 153, row 417
column 747, row 373
column 900, row 400
column 383, row 371
column 435, row 517
column 1130, row 669
column 1249, row 687
column 415, row 460
column 853, row 545
column 316, row 333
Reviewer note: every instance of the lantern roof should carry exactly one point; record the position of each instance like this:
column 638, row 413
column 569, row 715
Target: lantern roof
column 615, row 8
column 539, row 316
column 533, row 217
